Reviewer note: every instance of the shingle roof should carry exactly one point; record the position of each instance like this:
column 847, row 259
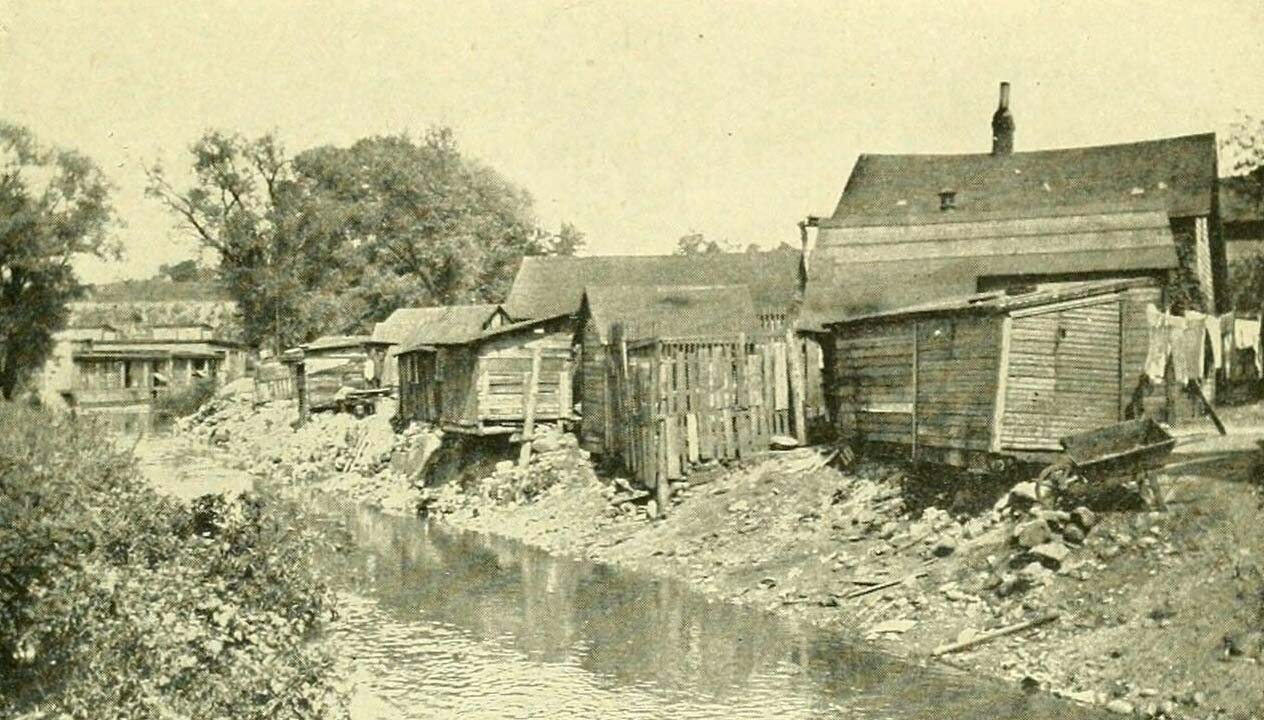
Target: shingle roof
column 331, row 342
column 864, row 270
column 548, row 286
column 674, row 311
column 443, row 324
column 895, row 189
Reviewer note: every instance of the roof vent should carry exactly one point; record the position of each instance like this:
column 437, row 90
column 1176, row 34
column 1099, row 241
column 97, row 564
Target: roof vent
column 947, row 199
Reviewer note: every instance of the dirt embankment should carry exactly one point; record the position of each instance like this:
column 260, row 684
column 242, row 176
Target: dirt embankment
column 1159, row 613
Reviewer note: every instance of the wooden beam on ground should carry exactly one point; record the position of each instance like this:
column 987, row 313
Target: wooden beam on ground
column 994, row 634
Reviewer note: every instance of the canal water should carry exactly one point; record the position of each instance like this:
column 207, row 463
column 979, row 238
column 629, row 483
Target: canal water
column 449, row 624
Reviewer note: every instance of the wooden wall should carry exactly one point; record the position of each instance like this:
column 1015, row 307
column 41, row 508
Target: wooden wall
column 504, row 371
column 922, row 383
column 419, row 397
column 594, row 390
column 1066, row 373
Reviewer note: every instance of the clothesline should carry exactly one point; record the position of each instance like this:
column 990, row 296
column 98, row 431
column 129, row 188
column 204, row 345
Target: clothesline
column 1185, row 339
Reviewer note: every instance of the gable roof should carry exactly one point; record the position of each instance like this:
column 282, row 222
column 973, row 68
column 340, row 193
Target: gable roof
column 996, row 302
column 671, row 311
column 338, row 342
column 550, row 285
column 864, row 270
column 897, row 189
column 442, row 324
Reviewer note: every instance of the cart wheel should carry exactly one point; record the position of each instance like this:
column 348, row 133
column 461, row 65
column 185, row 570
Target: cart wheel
column 1050, row 481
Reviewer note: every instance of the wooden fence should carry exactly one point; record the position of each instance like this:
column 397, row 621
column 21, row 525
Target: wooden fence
column 681, row 401
column 274, row 381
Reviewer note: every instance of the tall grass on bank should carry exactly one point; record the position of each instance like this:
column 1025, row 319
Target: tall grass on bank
column 118, row 602
column 182, row 401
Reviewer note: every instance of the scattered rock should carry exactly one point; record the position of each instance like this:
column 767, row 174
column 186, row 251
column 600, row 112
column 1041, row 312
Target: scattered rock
column 1084, row 518
column 893, row 626
column 1073, row 534
column 1032, row 533
column 1120, row 707
column 944, row 547
column 1051, row 554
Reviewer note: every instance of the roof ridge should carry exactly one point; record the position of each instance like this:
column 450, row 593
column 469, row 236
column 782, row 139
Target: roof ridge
column 1192, row 136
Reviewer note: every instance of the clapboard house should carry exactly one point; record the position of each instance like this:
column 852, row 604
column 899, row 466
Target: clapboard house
column 910, row 229
column 648, row 311
column 410, row 327
column 1000, row 374
column 491, row 382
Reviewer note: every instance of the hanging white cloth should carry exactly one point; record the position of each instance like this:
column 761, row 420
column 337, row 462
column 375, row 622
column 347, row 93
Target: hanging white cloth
column 1178, row 345
column 1213, row 332
column 1246, row 333
column 1160, row 345
column 1195, row 343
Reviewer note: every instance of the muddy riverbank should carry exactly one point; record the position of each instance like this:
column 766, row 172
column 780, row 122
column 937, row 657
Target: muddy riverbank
column 1158, row 612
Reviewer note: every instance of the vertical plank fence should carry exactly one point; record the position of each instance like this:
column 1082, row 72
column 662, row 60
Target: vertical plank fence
column 677, row 402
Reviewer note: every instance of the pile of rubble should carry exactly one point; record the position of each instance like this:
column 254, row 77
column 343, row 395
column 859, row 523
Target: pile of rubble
column 556, row 459
column 1042, row 539
column 360, row 458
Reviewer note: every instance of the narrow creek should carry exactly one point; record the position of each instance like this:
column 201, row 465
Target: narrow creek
column 441, row 623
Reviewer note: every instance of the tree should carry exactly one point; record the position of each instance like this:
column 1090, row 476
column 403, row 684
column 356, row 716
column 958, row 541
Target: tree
column 695, row 243
column 334, row 239
column 1245, row 147
column 434, row 227
column 183, row 271
column 54, row 206
column 279, row 255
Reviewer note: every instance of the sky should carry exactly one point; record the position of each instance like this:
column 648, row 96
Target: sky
column 638, row 122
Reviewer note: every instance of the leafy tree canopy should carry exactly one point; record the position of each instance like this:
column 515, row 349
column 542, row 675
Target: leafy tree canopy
column 334, row 239
column 54, row 206
column 1245, row 148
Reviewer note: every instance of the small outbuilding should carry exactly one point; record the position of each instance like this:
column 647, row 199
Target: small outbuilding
column 410, row 327
column 1003, row 373
column 647, row 311
column 493, row 382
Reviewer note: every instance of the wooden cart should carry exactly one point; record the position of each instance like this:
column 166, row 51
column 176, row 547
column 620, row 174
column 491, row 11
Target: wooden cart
column 1132, row 450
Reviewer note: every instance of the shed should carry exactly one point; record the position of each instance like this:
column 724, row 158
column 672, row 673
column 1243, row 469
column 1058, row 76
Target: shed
column 484, row 384
column 328, row 364
column 547, row 286
column 648, row 312
column 993, row 373
column 409, row 327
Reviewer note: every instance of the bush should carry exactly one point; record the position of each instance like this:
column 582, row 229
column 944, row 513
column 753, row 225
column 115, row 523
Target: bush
column 118, row 602
column 183, row 401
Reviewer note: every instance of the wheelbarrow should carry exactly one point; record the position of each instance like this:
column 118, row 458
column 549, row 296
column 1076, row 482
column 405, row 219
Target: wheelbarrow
column 1131, row 450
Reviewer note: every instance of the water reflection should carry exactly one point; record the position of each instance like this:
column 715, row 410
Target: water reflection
column 450, row 624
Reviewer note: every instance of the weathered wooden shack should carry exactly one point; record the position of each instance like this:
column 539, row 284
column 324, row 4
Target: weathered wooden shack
column 493, row 382
column 410, row 327
column 998, row 374
column 662, row 312
column 324, row 367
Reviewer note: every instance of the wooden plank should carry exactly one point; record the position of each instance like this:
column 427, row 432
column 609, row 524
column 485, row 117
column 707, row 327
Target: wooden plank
column 1002, row 379
column 528, row 424
column 796, row 387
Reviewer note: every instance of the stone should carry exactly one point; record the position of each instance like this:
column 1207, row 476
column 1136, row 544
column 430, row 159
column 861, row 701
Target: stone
column 1023, row 491
column 1032, row 533
column 782, row 442
column 1119, row 707
column 1073, row 534
column 1051, row 554
column 1084, row 518
column 1034, row 573
column 944, row 547
column 504, row 466
column 651, row 509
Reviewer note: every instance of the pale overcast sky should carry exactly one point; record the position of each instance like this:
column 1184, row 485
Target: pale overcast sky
column 638, row 121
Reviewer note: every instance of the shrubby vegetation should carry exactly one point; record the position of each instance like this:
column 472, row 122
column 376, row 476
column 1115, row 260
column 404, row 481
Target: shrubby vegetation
column 179, row 402
column 118, row 602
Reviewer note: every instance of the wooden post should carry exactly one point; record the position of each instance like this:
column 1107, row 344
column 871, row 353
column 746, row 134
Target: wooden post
column 913, row 444
column 796, row 386
column 660, row 418
column 530, row 392
column 300, row 387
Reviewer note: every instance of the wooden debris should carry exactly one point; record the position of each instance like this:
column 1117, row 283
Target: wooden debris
column 884, row 586
column 994, row 634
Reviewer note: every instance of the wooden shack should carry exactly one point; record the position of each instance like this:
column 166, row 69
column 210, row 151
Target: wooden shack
column 648, row 311
column 992, row 374
column 490, row 384
column 328, row 365
column 410, row 327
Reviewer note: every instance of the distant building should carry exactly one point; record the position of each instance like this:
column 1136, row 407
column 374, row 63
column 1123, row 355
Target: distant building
column 1243, row 216
column 915, row 228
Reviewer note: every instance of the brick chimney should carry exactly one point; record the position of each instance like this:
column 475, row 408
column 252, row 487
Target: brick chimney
column 1003, row 125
